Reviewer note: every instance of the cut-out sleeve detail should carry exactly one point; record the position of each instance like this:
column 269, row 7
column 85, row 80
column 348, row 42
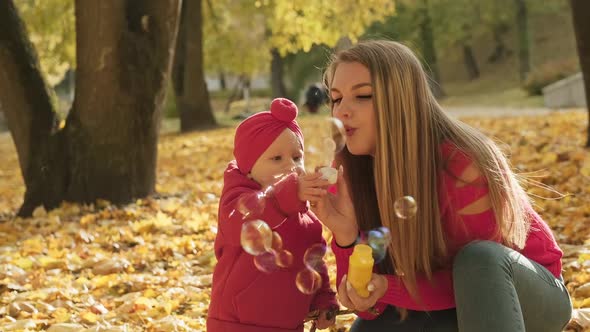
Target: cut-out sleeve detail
column 478, row 206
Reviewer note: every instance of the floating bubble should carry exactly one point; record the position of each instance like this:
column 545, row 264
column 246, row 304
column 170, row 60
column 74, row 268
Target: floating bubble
column 250, row 205
column 284, row 258
column 337, row 134
column 266, row 262
column 328, row 146
column 256, row 237
column 314, row 257
column 332, row 140
column 277, row 241
column 279, row 177
column 308, row 281
column 268, row 191
column 379, row 239
column 405, row 207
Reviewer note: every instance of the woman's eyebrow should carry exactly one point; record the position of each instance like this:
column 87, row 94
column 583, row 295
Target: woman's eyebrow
column 360, row 85
column 354, row 87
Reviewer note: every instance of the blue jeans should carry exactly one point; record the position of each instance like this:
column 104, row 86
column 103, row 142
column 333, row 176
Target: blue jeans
column 496, row 290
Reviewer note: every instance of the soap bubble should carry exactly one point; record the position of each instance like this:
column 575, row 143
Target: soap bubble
column 256, row 237
column 379, row 240
column 337, row 134
column 314, row 256
column 284, row 258
column 277, row 241
column 332, row 140
column 251, row 205
column 266, row 262
column 308, row 281
column 405, row 207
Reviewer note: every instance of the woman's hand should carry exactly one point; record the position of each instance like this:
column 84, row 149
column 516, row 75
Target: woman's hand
column 311, row 187
column 337, row 212
column 349, row 298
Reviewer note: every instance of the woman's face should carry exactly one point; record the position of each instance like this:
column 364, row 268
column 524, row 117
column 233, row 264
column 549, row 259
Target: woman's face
column 351, row 93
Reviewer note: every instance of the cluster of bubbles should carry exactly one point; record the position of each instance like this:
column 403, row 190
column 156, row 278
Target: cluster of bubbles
column 266, row 246
column 309, row 280
column 380, row 238
column 258, row 239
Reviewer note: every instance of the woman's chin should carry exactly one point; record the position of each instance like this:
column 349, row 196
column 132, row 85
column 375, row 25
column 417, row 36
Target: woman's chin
column 357, row 151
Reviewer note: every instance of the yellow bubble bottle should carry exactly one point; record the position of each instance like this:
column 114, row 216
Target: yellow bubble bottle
column 360, row 268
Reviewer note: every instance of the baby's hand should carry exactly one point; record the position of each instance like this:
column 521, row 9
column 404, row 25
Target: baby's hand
column 323, row 321
column 311, row 187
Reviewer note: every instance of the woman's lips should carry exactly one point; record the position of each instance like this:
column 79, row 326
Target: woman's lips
column 349, row 131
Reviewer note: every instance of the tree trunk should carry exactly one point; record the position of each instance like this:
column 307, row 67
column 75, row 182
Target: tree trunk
column 192, row 96
column 30, row 116
column 470, row 62
column 580, row 10
column 108, row 147
column 523, row 38
column 276, row 81
column 429, row 51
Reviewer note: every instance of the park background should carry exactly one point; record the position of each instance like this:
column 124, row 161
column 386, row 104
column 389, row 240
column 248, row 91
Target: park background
column 117, row 121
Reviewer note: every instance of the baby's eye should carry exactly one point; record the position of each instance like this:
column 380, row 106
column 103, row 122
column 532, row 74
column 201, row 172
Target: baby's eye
column 297, row 158
column 277, row 158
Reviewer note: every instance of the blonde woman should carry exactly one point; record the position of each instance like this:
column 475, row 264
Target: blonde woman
column 475, row 256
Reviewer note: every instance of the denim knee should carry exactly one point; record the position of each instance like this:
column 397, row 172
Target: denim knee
column 481, row 254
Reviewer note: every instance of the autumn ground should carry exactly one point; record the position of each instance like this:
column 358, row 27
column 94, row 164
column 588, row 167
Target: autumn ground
column 147, row 265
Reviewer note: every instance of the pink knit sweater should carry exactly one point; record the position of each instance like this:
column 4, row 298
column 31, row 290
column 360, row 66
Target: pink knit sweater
column 459, row 229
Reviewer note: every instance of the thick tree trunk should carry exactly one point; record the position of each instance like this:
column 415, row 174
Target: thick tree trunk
column 108, row 147
column 470, row 62
column 523, row 38
column 429, row 51
column 31, row 117
column 192, row 96
column 276, row 78
column 123, row 50
column 580, row 10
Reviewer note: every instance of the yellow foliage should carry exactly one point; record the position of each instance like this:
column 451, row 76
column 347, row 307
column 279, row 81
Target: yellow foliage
column 148, row 265
column 254, row 28
column 51, row 28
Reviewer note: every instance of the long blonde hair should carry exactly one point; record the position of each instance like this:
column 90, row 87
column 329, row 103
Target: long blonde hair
column 411, row 125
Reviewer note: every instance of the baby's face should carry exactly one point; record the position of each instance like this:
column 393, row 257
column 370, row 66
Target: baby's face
column 282, row 157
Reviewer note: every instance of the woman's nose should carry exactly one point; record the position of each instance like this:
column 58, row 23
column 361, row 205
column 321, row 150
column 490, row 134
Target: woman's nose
column 341, row 111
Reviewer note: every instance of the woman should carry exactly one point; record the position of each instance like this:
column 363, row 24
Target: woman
column 475, row 256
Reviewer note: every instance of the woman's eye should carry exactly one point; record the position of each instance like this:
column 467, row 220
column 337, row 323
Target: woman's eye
column 336, row 100
column 365, row 97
